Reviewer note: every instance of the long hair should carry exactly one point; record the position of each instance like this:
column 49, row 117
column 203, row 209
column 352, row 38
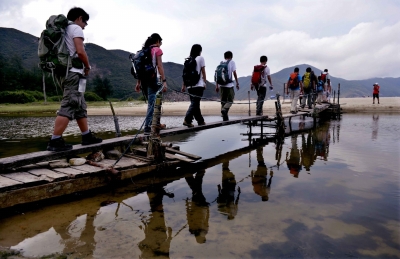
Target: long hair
column 152, row 40
column 196, row 50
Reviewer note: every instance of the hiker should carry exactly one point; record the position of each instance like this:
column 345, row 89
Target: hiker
column 228, row 204
column 327, row 86
column 308, row 86
column 375, row 93
column 296, row 87
column 223, row 80
column 259, row 177
column 151, row 85
column 259, row 82
column 73, row 105
column 194, row 79
column 320, row 90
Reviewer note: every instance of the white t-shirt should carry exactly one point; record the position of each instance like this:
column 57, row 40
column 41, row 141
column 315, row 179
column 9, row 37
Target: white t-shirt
column 231, row 69
column 327, row 77
column 200, row 64
column 264, row 76
column 73, row 31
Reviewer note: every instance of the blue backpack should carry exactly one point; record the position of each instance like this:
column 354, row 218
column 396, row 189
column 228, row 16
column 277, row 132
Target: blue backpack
column 320, row 86
column 222, row 76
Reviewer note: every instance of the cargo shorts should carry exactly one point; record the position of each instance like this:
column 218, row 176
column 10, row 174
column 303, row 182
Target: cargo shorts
column 73, row 104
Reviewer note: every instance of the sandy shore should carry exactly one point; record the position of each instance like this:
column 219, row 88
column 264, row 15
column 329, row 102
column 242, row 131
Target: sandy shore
column 349, row 105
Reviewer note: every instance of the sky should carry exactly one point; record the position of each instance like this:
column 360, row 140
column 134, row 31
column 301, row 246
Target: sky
column 354, row 39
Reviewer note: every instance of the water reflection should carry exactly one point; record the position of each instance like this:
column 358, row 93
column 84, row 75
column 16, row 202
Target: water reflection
column 158, row 236
column 227, row 203
column 260, row 175
column 293, row 161
column 375, row 126
column 197, row 208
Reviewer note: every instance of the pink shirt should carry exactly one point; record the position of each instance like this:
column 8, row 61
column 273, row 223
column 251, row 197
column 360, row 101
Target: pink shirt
column 156, row 52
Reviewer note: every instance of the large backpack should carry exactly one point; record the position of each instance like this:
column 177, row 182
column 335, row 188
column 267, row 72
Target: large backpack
column 320, row 86
column 307, row 80
column 293, row 81
column 190, row 75
column 222, row 76
column 257, row 74
column 52, row 51
column 323, row 77
column 143, row 68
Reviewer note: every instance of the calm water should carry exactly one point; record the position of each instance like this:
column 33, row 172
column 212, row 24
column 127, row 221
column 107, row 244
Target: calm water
column 331, row 192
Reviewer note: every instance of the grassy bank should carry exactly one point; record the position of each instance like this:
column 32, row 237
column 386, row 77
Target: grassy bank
column 38, row 108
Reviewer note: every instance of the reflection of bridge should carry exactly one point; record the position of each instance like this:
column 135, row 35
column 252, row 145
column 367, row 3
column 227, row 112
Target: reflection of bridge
column 31, row 177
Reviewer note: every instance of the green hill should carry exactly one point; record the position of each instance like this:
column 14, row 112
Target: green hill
column 18, row 70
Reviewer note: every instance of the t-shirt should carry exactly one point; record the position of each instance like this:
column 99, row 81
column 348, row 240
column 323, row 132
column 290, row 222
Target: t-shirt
column 264, row 76
column 200, row 63
column 231, row 69
column 73, row 31
column 298, row 86
column 156, row 52
column 376, row 89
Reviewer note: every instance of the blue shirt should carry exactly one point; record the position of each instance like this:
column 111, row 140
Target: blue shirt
column 298, row 79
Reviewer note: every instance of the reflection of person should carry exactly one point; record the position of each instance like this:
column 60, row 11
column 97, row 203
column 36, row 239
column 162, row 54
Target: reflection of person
column 322, row 139
column 307, row 151
column 157, row 237
column 259, row 177
column 227, row 204
column 375, row 93
column 294, row 161
column 197, row 209
column 73, row 105
column 375, row 119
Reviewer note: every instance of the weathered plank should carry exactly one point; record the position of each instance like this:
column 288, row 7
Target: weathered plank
column 7, row 183
column 180, row 158
column 48, row 174
column 174, row 151
column 88, row 168
column 124, row 162
column 26, row 178
column 71, row 172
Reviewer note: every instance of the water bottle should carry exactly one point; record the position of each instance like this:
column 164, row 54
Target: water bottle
column 82, row 85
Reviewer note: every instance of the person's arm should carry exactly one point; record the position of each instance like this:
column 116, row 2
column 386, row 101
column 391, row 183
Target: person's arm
column 270, row 82
column 251, row 85
column 80, row 50
column 203, row 71
column 183, row 87
column 301, row 85
column 161, row 71
column 236, row 79
column 138, row 83
column 216, row 87
column 287, row 86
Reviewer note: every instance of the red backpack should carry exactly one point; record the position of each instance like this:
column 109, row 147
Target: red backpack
column 256, row 77
column 323, row 77
column 293, row 81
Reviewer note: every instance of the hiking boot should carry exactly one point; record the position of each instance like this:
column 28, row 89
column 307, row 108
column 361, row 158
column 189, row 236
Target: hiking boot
column 224, row 115
column 201, row 123
column 58, row 145
column 90, row 138
column 147, row 131
column 189, row 125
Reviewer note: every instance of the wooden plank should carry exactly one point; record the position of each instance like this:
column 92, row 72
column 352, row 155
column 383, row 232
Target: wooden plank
column 174, row 151
column 71, row 172
column 7, row 183
column 124, row 162
column 48, row 174
column 26, row 178
column 88, row 168
column 180, row 158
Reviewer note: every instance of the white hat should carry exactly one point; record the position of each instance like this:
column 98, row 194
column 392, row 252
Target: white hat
column 376, row 84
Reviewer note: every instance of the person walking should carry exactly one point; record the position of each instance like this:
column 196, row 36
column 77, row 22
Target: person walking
column 308, row 86
column 197, row 89
column 261, row 74
column 375, row 93
column 73, row 105
column 223, row 79
column 152, row 84
column 320, row 90
column 296, row 86
column 327, row 86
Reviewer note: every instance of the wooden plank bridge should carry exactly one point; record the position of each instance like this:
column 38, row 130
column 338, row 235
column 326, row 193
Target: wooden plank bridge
column 37, row 176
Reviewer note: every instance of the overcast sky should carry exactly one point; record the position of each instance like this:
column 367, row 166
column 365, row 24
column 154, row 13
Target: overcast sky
column 354, row 39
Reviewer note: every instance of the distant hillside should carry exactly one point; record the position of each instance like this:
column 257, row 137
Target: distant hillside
column 115, row 65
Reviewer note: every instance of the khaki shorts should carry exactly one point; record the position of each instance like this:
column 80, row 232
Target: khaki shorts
column 73, row 105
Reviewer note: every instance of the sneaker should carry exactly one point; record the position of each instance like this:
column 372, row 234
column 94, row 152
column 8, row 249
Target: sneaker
column 147, row 131
column 201, row 123
column 90, row 138
column 58, row 145
column 302, row 106
column 189, row 125
column 224, row 115
column 163, row 126
column 309, row 107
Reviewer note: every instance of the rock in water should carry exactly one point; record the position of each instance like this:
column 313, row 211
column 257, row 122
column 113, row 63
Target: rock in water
column 96, row 157
column 77, row 161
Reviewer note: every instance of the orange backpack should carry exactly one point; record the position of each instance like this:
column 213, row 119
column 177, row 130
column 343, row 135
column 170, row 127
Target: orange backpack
column 293, row 81
column 256, row 77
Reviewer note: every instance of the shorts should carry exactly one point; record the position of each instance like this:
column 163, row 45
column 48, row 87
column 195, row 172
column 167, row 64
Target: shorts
column 73, row 104
column 375, row 95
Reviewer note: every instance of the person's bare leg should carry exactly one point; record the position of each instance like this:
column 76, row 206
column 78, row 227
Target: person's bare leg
column 60, row 125
column 83, row 124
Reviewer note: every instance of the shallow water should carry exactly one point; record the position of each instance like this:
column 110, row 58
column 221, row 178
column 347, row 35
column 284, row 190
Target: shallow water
column 330, row 192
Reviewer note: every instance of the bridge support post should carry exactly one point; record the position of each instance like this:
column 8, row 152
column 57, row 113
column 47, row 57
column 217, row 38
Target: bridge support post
column 155, row 148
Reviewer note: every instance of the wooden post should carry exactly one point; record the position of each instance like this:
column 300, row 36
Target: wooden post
column 44, row 88
column 155, row 149
column 117, row 130
column 338, row 93
column 334, row 95
column 249, row 102
column 262, row 129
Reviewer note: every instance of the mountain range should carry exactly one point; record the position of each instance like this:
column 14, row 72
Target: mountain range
column 115, row 65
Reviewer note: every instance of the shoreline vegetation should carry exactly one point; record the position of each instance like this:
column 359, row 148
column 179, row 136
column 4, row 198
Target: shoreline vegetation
column 139, row 108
